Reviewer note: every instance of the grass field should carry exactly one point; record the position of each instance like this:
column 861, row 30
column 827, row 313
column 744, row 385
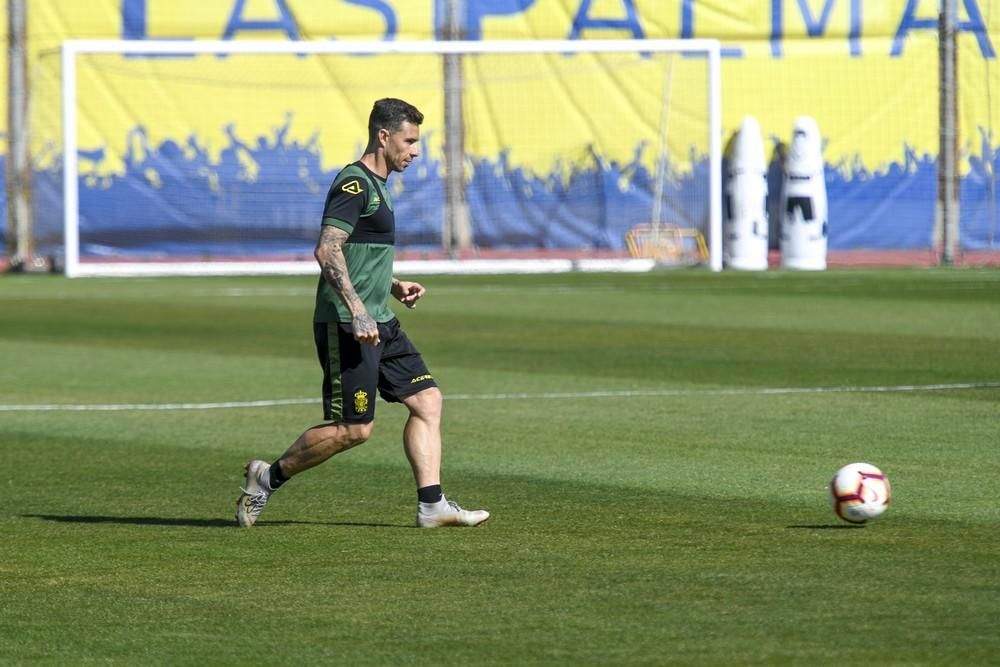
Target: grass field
column 655, row 450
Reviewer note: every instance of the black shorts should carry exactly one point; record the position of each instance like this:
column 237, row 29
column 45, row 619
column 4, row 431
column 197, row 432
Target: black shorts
column 352, row 371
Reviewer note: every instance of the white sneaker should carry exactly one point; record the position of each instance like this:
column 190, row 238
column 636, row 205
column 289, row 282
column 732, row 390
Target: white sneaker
column 255, row 493
column 448, row 513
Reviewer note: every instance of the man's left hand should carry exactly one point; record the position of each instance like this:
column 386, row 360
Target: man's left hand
column 408, row 293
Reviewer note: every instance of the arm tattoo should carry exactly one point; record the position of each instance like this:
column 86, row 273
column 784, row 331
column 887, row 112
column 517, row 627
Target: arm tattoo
column 330, row 255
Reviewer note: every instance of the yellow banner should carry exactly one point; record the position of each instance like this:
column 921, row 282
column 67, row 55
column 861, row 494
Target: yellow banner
column 866, row 71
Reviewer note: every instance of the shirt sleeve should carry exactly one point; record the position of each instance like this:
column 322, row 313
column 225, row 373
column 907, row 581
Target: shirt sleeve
column 345, row 203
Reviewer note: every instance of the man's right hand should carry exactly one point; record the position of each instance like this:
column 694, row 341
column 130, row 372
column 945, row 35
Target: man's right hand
column 365, row 329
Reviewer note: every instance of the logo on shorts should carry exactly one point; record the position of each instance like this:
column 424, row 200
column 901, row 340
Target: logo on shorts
column 360, row 401
column 352, row 187
column 421, row 378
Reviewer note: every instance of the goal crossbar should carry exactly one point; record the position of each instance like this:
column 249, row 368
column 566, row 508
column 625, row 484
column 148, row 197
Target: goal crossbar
column 71, row 49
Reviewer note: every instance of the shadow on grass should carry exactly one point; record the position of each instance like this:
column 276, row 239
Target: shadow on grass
column 828, row 526
column 193, row 523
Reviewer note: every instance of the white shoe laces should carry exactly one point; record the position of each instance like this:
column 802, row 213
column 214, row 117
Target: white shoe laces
column 451, row 506
column 255, row 501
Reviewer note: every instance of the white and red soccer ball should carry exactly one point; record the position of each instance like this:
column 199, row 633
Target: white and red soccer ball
column 860, row 491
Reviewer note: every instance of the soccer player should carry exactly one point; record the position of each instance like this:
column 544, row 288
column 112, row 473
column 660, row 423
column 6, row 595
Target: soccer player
column 359, row 341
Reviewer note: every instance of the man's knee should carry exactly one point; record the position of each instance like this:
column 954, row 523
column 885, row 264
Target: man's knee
column 359, row 433
column 426, row 403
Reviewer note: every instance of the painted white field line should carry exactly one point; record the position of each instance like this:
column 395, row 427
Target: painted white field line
column 513, row 396
column 123, row 407
column 746, row 391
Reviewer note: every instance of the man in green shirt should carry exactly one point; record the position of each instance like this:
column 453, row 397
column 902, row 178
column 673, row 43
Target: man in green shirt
column 359, row 341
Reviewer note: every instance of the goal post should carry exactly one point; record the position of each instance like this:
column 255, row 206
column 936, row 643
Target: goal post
column 569, row 145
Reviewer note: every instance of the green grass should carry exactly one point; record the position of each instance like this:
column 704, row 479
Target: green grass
column 655, row 450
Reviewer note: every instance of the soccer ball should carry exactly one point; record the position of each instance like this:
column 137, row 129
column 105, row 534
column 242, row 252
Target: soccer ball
column 860, row 492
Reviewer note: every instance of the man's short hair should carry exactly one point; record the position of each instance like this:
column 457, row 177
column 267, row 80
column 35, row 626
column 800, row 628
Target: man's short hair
column 390, row 113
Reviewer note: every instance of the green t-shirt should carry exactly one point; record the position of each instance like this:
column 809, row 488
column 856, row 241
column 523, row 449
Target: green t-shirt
column 358, row 203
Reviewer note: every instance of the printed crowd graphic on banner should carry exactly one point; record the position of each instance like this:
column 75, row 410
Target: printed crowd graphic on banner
column 232, row 155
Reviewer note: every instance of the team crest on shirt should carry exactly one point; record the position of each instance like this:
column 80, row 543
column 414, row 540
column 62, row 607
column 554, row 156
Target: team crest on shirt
column 351, row 187
column 360, row 401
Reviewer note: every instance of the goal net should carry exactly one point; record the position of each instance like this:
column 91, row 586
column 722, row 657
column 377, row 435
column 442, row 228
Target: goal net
column 204, row 157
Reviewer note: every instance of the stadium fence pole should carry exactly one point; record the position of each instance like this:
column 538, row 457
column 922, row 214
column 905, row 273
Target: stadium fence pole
column 20, row 246
column 456, row 233
column 948, row 128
